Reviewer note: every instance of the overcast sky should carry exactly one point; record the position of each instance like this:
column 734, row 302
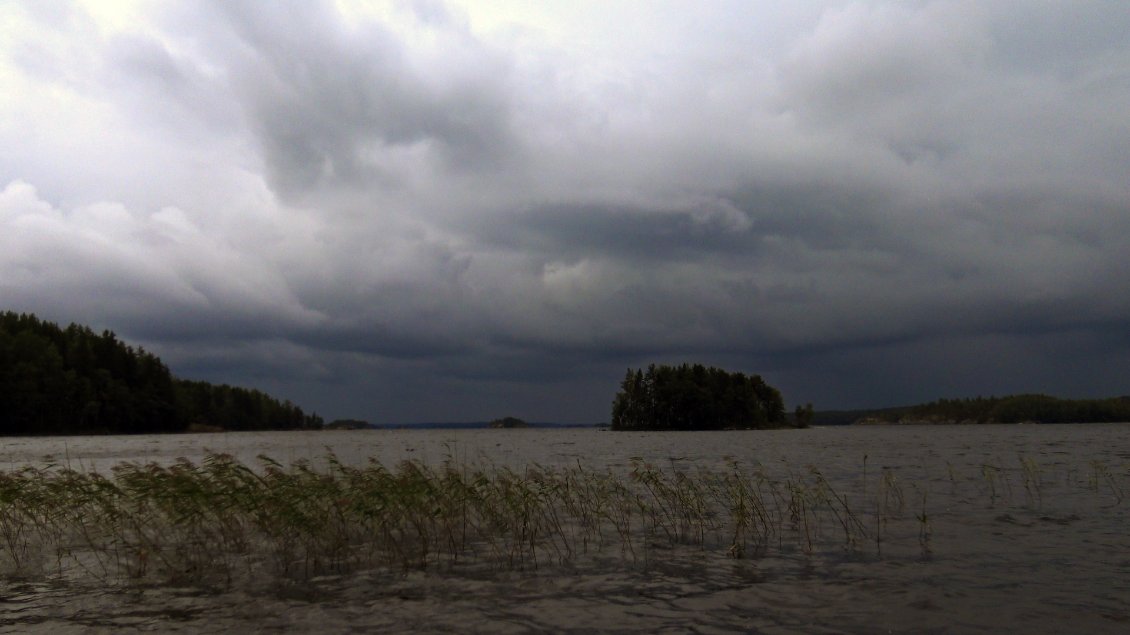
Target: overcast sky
column 430, row 211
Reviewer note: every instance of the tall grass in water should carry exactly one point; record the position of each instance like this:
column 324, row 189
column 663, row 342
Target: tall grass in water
column 220, row 522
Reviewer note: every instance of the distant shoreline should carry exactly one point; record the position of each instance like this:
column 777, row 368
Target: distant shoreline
column 971, row 422
column 1010, row 409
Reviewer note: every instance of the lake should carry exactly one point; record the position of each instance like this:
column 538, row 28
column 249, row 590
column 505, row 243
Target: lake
column 998, row 528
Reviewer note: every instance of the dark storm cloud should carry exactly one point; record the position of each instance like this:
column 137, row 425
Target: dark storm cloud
column 331, row 103
column 643, row 235
column 438, row 210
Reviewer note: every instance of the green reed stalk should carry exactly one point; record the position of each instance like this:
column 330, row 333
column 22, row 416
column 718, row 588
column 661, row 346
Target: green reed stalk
column 218, row 522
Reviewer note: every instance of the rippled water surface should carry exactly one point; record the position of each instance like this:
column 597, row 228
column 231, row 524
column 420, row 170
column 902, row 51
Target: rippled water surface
column 1008, row 528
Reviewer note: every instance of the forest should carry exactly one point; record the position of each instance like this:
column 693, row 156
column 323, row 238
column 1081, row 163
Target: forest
column 694, row 397
column 1029, row 408
column 71, row 380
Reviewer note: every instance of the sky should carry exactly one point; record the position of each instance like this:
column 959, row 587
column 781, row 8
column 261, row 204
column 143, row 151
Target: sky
column 453, row 211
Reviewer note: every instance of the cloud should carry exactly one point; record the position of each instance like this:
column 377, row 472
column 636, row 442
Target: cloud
column 111, row 264
column 333, row 104
column 368, row 205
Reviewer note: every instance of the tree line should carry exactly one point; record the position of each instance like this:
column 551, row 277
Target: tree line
column 694, row 397
column 72, row 380
column 1035, row 408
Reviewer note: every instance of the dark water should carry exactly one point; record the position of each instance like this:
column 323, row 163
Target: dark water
column 1027, row 531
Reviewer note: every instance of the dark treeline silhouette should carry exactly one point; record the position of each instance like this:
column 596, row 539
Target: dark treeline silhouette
column 347, row 424
column 201, row 404
column 74, row 381
column 1008, row 409
column 695, row 397
column 509, row 422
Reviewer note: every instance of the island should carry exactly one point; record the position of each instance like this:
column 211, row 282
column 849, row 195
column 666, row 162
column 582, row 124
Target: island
column 509, row 422
column 694, row 397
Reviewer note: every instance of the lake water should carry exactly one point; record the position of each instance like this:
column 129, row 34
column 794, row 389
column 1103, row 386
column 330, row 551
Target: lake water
column 1007, row 528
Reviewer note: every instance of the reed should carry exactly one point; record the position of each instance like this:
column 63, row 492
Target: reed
column 1100, row 473
column 991, row 475
column 925, row 530
column 219, row 522
column 1031, row 474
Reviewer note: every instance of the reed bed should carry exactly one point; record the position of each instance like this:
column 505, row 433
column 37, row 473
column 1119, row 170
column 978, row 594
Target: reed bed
column 219, row 522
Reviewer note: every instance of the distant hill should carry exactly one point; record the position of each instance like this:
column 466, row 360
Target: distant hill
column 72, row 380
column 846, row 417
column 1030, row 408
column 348, row 424
column 472, row 425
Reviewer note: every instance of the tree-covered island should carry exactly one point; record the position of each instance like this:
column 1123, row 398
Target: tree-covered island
column 694, row 397
column 72, row 380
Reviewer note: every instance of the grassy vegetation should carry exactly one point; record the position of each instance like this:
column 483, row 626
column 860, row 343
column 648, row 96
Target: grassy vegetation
column 220, row 522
